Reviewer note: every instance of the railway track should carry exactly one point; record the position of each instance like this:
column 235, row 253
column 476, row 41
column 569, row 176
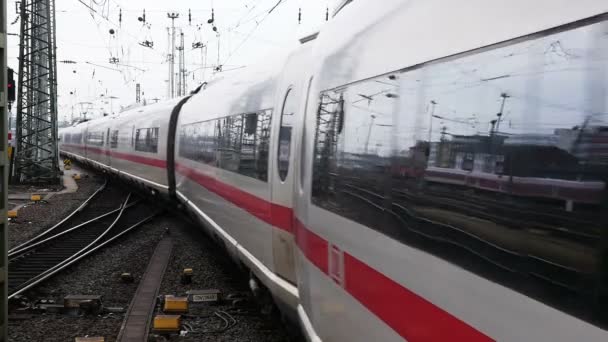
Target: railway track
column 93, row 225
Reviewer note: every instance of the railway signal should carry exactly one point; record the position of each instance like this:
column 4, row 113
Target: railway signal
column 10, row 87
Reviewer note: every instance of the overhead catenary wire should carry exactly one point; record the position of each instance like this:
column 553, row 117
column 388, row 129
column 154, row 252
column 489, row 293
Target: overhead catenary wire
column 253, row 30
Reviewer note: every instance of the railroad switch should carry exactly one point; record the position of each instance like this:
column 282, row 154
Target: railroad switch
column 187, row 276
column 175, row 304
column 126, row 277
column 89, row 304
column 167, row 323
column 204, row 296
column 90, row 339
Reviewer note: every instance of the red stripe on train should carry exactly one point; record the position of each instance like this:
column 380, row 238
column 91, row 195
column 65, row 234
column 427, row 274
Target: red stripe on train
column 125, row 156
column 273, row 214
column 411, row 316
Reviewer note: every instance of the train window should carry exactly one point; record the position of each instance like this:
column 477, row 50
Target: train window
column 114, row 139
column 76, row 138
column 146, row 140
column 285, row 132
column 198, row 142
column 494, row 161
column 94, row 139
column 237, row 143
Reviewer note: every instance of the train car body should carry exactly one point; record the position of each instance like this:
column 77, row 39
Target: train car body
column 131, row 145
column 419, row 171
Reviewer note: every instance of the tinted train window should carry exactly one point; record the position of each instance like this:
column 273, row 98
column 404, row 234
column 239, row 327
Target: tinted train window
column 114, row 139
column 94, row 138
column 146, row 140
column 495, row 161
column 285, row 132
column 198, row 142
column 238, row 143
column 76, row 138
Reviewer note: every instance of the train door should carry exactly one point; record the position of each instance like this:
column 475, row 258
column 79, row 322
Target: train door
column 282, row 185
column 287, row 113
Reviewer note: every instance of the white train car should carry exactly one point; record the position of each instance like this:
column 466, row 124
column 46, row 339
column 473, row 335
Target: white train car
column 131, row 145
column 292, row 167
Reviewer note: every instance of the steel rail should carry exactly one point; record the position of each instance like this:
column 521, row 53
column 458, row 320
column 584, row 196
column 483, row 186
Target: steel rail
column 79, row 209
column 16, row 254
column 36, row 279
column 56, row 270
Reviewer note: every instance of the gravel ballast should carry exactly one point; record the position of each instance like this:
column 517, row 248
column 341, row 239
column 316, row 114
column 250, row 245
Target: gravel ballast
column 97, row 275
column 34, row 218
column 212, row 269
column 100, row 275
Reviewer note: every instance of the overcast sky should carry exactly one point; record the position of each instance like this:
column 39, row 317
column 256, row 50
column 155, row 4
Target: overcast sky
column 247, row 33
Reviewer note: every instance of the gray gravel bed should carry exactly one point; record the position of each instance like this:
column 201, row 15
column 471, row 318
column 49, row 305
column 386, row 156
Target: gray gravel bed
column 97, row 275
column 34, row 218
column 213, row 270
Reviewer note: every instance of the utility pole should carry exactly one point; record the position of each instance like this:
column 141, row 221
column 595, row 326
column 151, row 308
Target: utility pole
column 37, row 152
column 182, row 67
column 137, row 93
column 203, row 48
column 169, row 62
column 172, row 16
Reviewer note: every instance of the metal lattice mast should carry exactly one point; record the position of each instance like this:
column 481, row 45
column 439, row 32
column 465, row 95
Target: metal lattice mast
column 37, row 155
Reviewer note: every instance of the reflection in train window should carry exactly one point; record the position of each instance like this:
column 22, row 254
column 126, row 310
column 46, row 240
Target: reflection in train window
column 76, row 138
column 94, row 138
column 114, row 139
column 286, row 126
column 238, row 143
column 146, row 139
column 495, row 161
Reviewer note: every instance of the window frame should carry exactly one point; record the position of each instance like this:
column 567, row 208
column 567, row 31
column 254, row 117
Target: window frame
column 282, row 178
column 141, row 140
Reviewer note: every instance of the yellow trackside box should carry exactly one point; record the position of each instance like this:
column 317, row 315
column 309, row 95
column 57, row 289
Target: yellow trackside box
column 76, row 176
column 167, row 323
column 35, row 198
column 175, row 304
column 11, row 213
column 90, row 339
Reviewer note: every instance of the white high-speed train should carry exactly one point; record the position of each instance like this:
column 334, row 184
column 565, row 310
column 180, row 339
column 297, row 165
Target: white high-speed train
column 418, row 170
